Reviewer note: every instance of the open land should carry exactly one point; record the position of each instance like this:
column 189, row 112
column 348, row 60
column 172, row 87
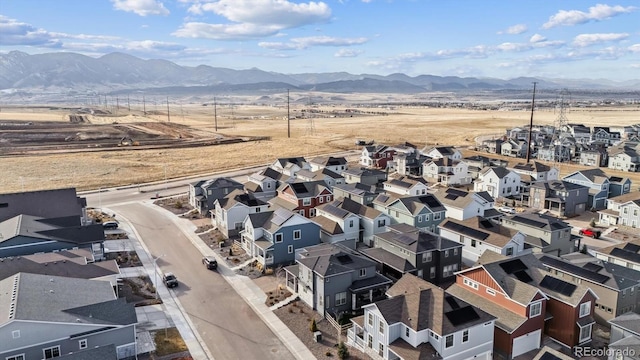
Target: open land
column 40, row 147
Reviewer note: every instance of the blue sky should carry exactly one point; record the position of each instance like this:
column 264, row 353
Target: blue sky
column 482, row 38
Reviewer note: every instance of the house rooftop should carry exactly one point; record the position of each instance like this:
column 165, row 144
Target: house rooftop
column 600, row 272
column 629, row 321
column 481, row 229
column 417, row 241
column 539, row 221
column 335, row 263
column 64, row 229
column 68, row 263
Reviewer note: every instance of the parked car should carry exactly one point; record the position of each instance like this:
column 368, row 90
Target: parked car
column 210, row 262
column 170, row 280
column 110, row 225
column 592, row 233
column 507, row 210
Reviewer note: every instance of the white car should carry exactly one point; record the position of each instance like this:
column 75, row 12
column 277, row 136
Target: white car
column 507, row 210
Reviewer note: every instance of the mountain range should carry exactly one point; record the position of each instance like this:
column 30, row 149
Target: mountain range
column 120, row 73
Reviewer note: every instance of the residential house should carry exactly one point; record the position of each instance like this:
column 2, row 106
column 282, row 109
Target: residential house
column 330, row 177
column 479, row 235
column 544, row 233
column 438, row 152
column 476, row 163
column 261, row 186
column 624, row 254
column 409, row 164
column 231, row 210
column 424, row 211
column 303, row 197
column 560, row 198
column 273, row 236
column 611, row 215
column 625, row 132
column 204, row 193
column 51, row 316
column 514, row 148
column 404, row 185
column 462, row 205
column 404, row 249
column 333, row 281
column 360, row 193
column 531, row 173
column 624, row 159
column 548, row 353
column 605, row 135
column 624, row 342
column 372, row 221
column 555, row 153
column 446, row 171
column 527, row 301
column 619, row 185
column 26, row 234
column 597, row 182
column 581, row 133
column 44, row 203
column 364, row 176
column 594, row 157
column 376, row 156
column 493, row 146
column 335, row 164
column 337, row 225
column 290, row 166
column 617, row 287
column 517, row 133
column 499, row 182
column 421, row 321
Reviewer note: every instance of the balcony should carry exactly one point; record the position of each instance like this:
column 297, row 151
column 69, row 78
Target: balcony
column 355, row 338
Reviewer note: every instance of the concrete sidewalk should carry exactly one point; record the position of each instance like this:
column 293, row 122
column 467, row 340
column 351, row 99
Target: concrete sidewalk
column 245, row 287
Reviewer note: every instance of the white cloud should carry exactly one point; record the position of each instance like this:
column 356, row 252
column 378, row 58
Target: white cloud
column 19, row 33
column 141, row 7
column 635, row 48
column 303, row 43
column 583, row 40
column 537, row 38
column 596, row 13
column 347, row 53
column 515, row 29
column 253, row 18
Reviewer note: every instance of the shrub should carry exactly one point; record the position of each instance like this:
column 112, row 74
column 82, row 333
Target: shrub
column 592, row 223
column 328, row 354
column 584, row 249
column 343, row 351
column 313, row 327
column 178, row 204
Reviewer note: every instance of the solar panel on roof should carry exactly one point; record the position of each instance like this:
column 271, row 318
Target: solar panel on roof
column 456, row 192
column 452, row 302
column 451, row 197
column 626, row 254
column 383, row 198
column 549, row 356
column 486, row 224
column 558, row 285
column 336, row 211
column 575, row 269
column 344, row 259
column 467, row 231
column 523, row 276
column 430, row 201
column 632, row 247
column 528, row 221
column 280, row 215
column 299, row 187
column 405, row 239
column 592, row 267
column 512, row 266
column 462, row 315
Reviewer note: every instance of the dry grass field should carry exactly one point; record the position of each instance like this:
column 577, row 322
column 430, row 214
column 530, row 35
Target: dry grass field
column 418, row 125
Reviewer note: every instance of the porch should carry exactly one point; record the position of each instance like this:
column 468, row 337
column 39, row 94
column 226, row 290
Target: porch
column 369, row 290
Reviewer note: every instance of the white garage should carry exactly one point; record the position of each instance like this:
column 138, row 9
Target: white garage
column 526, row 342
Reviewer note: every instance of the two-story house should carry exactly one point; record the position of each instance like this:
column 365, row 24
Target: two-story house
column 446, row 171
column 330, row 177
column 405, row 249
column 616, row 286
column 360, row 193
column 55, row 203
column 514, row 148
column 499, row 182
column 544, row 233
column 561, row 198
column 478, row 235
column 438, row 152
column 533, row 172
column 624, row 343
column 409, row 164
column 231, row 210
column 625, row 159
column 337, row 225
column 333, row 280
column 204, row 193
column 377, row 156
column 580, row 132
column 364, row 176
column 421, row 321
column 303, row 197
column 597, row 182
column 45, row 316
column 493, row 146
column 462, row 205
column 596, row 156
column 290, row 166
column 604, row 135
column 611, row 215
column 372, row 221
column 424, row 211
column 273, row 236
column 405, row 186
column 261, row 186
column 624, row 254
column 335, row 164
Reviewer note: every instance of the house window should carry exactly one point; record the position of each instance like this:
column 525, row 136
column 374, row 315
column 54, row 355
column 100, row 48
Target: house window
column 370, row 320
column 465, row 336
column 585, row 309
column 363, row 272
column 301, row 212
column 15, row 334
column 437, row 216
column 350, row 223
column 297, row 234
column 370, row 341
column 455, row 251
column 306, row 201
column 51, row 352
column 426, row 257
column 471, row 284
column 406, row 332
column 82, row 344
column 509, row 251
column 278, row 238
column 449, row 269
column 4, row 205
column 327, row 300
column 432, row 272
column 381, row 349
column 381, row 223
column 290, row 249
column 320, row 199
column 473, row 243
column 434, row 335
column 491, row 292
column 535, row 309
column 585, row 333
column 381, row 327
column 448, row 341
column 16, row 357
column 446, row 253
column 341, row 298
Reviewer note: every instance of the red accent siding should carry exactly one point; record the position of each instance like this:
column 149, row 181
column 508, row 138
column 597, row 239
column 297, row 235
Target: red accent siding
column 486, row 281
column 563, row 326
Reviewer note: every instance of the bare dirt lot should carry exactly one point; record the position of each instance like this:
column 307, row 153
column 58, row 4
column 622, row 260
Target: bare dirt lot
column 328, row 129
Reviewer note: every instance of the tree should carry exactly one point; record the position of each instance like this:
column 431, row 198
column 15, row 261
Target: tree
column 343, row 351
column 592, row 223
column 312, row 326
column 584, row 249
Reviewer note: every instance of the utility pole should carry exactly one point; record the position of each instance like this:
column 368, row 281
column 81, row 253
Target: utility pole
column 533, row 105
column 215, row 113
column 168, row 115
column 288, row 117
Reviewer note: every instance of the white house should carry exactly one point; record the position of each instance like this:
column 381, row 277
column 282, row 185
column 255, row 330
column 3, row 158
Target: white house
column 231, row 211
column 335, row 164
column 261, row 186
column 498, row 182
column 337, row 224
column 372, row 221
column 462, row 205
column 446, row 171
column 403, row 185
column 438, row 152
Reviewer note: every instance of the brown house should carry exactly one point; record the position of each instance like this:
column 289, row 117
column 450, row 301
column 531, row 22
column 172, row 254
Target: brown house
column 303, row 197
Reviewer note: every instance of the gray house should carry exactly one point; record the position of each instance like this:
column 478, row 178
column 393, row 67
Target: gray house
column 597, row 182
column 561, row 198
column 624, row 343
column 424, row 212
column 50, row 316
column 333, row 280
column 26, row 234
column 360, row 193
column 546, row 234
column 405, row 249
column 44, row 203
column 364, row 176
column 594, row 157
column 203, row 194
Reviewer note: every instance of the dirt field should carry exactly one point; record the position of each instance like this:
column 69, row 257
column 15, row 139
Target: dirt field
column 331, row 129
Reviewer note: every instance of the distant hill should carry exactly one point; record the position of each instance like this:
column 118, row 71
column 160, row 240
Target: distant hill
column 118, row 72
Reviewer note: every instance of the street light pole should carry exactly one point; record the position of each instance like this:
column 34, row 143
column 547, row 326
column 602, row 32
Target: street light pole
column 155, row 272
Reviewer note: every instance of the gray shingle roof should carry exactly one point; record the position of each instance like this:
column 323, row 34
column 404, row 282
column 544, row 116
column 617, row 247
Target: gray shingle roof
column 63, row 263
column 56, row 229
column 106, row 352
column 335, row 263
column 629, row 321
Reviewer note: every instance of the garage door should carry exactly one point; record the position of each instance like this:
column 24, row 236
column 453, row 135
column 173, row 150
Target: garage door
column 526, row 343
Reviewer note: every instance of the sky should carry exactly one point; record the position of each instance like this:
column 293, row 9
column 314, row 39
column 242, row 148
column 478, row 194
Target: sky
column 469, row 38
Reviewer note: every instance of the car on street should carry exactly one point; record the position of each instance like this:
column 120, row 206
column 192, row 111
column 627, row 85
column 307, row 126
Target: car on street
column 110, row 225
column 507, row 210
column 170, row 280
column 210, row 262
column 592, row 233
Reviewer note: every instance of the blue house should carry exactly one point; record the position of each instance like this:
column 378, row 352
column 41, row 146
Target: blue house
column 425, row 212
column 599, row 185
column 272, row 237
